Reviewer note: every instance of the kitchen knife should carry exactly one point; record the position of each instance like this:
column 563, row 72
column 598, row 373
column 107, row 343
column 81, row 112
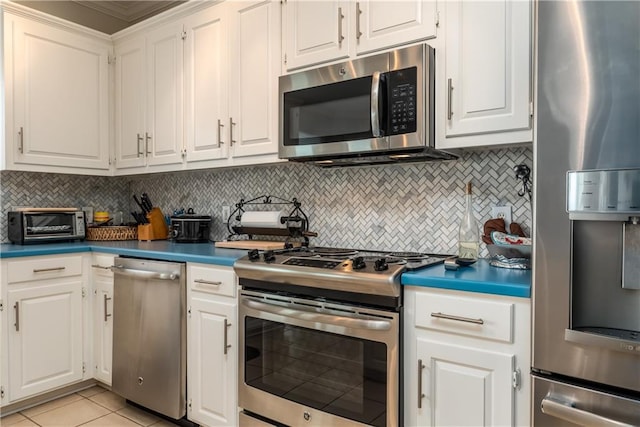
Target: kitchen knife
column 147, row 201
column 140, row 219
column 139, row 203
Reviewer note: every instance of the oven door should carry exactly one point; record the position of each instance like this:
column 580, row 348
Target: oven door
column 318, row 364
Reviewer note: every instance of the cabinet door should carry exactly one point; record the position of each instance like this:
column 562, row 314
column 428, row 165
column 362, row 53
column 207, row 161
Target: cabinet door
column 102, row 325
column 45, row 337
column 211, row 360
column 206, row 64
column 383, row 24
column 315, row 31
column 487, row 62
column 58, row 96
column 164, row 134
column 130, row 104
column 464, row 386
column 253, row 102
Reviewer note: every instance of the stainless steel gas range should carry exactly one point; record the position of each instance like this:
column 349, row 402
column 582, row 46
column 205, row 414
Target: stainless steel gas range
column 320, row 336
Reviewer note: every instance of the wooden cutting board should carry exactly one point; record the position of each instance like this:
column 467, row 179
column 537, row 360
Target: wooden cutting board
column 262, row 245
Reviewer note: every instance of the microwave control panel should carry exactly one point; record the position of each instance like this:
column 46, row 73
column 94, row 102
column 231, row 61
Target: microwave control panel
column 402, row 88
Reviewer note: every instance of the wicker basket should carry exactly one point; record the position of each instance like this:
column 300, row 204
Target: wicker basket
column 112, row 233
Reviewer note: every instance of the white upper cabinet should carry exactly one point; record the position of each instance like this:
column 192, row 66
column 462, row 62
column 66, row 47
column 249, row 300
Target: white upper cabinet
column 130, row 108
column 206, row 64
column 210, row 83
column 485, row 84
column 382, row 24
column 56, row 99
column 315, row 32
column 253, row 78
column 149, row 100
column 164, row 139
column 319, row 31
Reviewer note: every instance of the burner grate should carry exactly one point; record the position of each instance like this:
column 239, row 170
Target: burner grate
column 410, row 256
column 334, row 252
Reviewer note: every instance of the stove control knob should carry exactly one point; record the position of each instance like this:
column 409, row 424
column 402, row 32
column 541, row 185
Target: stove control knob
column 358, row 263
column 253, row 255
column 268, row 256
column 381, row 265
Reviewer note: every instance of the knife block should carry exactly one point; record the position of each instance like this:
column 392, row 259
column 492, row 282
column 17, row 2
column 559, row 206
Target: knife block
column 157, row 228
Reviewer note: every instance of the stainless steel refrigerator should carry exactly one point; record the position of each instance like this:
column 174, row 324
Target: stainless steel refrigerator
column 586, row 286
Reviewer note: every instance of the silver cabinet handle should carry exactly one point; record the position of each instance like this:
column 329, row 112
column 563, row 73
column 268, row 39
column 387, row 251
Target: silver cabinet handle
column 147, row 138
column 457, row 318
column 106, row 316
column 16, row 306
column 375, row 96
column 449, row 96
column 226, row 335
column 207, row 282
column 144, row 274
column 21, row 140
column 102, row 267
column 340, row 18
column 358, row 13
column 139, row 138
column 231, row 125
column 220, row 126
column 44, row 270
column 311, row 316
column 420, row 393
column 566, row 412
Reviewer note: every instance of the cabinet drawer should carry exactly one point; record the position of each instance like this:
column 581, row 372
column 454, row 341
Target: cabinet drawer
column 42, row 268
column 211, row 279
column 465, row 316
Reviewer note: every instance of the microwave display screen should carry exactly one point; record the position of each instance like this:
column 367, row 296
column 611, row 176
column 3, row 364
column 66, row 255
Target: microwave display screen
column 328, row 113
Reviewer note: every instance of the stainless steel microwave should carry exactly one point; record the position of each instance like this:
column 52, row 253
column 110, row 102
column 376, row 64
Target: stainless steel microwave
column 47, row 225
column 377, row 109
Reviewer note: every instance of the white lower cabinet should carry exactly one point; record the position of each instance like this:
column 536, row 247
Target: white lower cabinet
column 460, row 375
column 212, row 368
column 102, row 285
column 466, row 359
column 44, row 324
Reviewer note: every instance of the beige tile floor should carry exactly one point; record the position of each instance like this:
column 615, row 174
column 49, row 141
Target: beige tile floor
column 92, row 407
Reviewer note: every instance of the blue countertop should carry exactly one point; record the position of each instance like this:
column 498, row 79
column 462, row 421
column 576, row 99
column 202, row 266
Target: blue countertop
column 479, row 277
column 205, row 253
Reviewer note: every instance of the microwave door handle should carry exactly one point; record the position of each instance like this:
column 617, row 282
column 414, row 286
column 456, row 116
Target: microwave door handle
column 375, row 105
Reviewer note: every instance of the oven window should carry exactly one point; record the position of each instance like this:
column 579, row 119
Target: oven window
column 337, row 374
column 328, row 113
column 49, row 224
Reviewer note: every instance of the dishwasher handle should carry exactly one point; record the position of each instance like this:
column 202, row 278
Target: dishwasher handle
column 144, row 274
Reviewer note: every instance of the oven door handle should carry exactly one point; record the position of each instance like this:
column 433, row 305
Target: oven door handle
column 570, row 413
column 342, row 320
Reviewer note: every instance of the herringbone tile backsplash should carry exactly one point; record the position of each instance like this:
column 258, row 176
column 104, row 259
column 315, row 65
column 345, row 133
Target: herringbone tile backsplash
column 409, row 207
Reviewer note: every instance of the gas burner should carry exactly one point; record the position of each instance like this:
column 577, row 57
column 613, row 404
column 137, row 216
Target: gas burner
column 333, row 252
column 389, row 259
column 410, row 256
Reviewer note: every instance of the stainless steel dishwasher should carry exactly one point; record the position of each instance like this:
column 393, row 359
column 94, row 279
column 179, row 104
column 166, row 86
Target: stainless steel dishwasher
column 149, row 334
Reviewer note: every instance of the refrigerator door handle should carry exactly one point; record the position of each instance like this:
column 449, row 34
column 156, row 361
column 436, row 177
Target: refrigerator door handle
column 567, row 412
